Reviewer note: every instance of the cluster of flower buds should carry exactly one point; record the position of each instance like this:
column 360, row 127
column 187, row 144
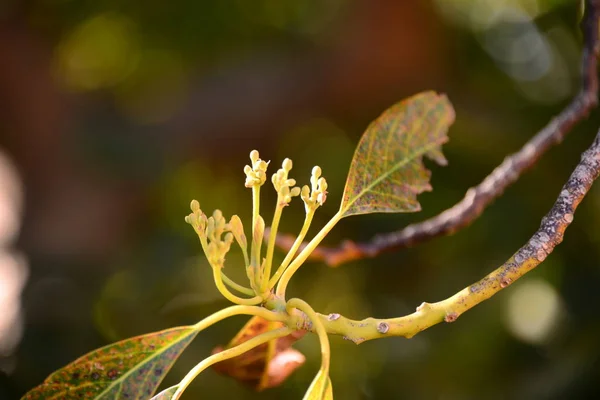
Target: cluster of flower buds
column 283, row 185
column 218, row 246
column 216, row 234
column 316, row 195
column 256, row 175
column 211, row 231
column 197, row 219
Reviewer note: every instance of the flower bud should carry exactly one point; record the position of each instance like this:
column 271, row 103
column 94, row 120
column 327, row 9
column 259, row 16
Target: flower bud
column 316, row 171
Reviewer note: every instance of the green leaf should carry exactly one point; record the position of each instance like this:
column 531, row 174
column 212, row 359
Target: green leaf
column 130, row 369
column 329, row 390
column 387, row 170
column 320, row 388
column 166, row 394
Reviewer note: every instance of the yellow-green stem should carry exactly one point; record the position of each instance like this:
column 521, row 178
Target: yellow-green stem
column 254, row 274
column 238, row 310
column 228, row 281
column 290, row 255
column 236, row 286
column 310, row 247
column 429, row 314
column 271, row 245
column 246, row 258
column 319, row 328
column 227, row 354
column 230, row 296
column 204, row 244
column 255, row 250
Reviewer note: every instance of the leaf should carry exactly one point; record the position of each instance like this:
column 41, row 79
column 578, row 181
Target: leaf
column 329, row 390
column 130, row 369
column 267, row 365
column 166, row 394
column 387, row 170
column 320, row 388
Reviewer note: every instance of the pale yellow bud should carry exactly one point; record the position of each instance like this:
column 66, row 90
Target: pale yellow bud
column 322, row 184
column 287, row 164
column 316, row 171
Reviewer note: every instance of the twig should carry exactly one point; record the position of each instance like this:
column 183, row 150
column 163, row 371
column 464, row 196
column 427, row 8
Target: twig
column 479, row 197
column 541, row 244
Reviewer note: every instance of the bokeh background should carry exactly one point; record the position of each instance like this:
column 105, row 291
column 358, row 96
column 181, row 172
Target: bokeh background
column 114, row 115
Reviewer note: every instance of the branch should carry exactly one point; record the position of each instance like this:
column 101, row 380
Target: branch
column 479, row 197
column 541, row 244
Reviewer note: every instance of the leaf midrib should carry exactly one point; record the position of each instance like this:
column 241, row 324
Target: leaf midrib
column 420, row 152
column 128, row 373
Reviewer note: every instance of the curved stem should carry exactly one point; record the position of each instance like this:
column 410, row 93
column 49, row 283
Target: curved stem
column 228, row 281
column 238, row 310
column 229, row 353
column 292, row 252
column 310, row 247
column 321, row 332
column 230, row 296
column 245, row 254
column 318, row 327
column 236, row 286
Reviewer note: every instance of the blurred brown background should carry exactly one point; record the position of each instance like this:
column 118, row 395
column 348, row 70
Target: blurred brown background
column 114, row 115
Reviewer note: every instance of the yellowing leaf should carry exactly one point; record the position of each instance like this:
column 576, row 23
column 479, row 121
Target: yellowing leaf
column 130, row 369
column 320, row 388
column 387, row 170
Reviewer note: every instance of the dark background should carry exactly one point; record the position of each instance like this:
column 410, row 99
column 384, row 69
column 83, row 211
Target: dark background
column 114, row 115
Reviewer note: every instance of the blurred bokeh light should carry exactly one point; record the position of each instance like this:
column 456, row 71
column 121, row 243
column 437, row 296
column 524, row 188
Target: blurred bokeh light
column 13, row 267
column 533, row 311
column 11, row 201
column 13, row 273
